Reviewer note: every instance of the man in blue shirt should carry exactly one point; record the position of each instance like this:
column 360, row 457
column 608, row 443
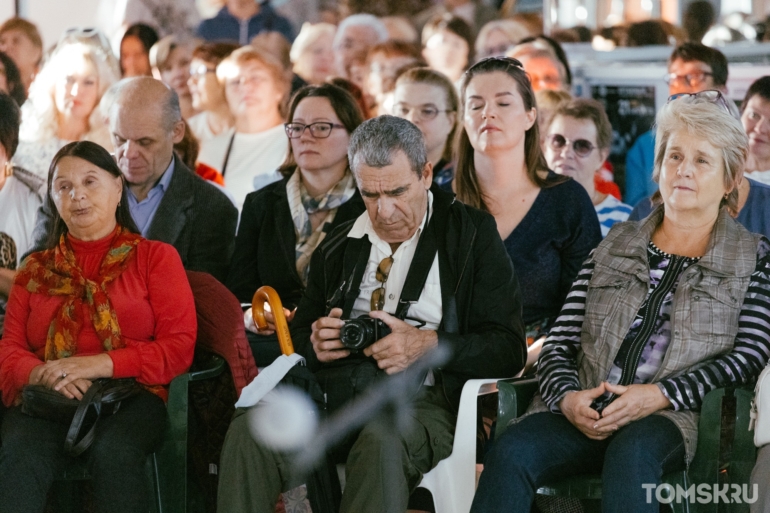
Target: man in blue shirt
column 692, row 67
column 240, row 20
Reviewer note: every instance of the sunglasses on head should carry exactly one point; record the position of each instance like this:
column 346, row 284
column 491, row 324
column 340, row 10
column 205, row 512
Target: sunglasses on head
column 710, row 95
column 581, row 147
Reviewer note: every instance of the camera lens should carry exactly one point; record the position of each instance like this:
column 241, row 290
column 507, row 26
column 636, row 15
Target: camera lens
column 355, row 334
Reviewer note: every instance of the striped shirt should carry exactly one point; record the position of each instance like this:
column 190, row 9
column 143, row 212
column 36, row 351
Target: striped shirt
column 611, row 211
column 558, row 370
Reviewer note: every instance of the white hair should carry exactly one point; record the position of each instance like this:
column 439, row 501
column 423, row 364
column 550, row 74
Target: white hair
column 362, row 20
column 39, row 114
column 309, row 34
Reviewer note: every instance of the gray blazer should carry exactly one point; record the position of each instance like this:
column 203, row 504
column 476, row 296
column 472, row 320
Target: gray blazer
column 194, row 216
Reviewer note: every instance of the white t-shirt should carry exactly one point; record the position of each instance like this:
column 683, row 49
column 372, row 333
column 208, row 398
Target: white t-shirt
column 760, row 176
column 199, row 125
column 254, row 159
column 18, row 206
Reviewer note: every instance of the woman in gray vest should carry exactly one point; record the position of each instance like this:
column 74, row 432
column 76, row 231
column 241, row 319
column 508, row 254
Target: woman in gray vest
column 663, row 311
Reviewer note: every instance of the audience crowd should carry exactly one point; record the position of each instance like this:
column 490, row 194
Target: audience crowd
column 406, row 178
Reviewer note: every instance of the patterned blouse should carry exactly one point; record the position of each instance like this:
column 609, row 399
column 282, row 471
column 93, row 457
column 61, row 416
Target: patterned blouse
column 642, row 351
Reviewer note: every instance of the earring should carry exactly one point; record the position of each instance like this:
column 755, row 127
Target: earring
column 8, row 170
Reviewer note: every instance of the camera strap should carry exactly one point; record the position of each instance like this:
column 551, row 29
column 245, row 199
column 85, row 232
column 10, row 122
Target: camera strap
column 422, row 261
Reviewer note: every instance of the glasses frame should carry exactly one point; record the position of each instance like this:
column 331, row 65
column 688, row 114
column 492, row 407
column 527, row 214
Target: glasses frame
column 383, row 272
column 574, row 142
column 196, row 73
column 710, row 95
column 688, row 77
column 332, row 126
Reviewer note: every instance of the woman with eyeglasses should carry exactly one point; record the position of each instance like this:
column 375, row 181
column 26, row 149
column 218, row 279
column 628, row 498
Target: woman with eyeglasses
column 663, row 311
column 547, row 221
column 208, row 95
column 63, row 100
column 247, row 156
column 429, row 100
column 282, row 223
column 576, row 145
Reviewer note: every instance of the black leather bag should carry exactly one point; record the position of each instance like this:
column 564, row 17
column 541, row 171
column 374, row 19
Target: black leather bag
column 103, row 398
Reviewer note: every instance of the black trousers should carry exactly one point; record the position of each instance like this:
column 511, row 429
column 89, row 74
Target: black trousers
column 32, row 455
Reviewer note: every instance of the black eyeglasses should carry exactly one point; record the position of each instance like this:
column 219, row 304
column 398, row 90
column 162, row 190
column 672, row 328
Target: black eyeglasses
column 319, row 130
column 582, row 147
column 383, row 271
column 691, row 79
column 710, row 95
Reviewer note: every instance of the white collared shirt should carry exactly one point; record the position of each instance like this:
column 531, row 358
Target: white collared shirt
column 428, row 308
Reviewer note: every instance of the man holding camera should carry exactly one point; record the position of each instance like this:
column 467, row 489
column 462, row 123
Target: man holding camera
column 418, row 269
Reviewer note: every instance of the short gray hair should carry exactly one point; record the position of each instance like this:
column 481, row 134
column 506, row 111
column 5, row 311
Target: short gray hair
column 369, row 21
column 376, row 140
column 708, row 121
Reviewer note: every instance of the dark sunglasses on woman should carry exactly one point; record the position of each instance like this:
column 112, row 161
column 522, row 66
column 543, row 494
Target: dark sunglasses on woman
column 581, row 147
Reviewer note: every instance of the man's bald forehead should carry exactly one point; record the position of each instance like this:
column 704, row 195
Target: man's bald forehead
column 142, row 90
column 147, row 94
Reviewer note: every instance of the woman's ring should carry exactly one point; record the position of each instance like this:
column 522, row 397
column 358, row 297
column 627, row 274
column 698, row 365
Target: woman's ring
column 63, row 375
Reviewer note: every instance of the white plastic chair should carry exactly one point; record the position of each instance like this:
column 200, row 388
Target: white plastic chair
column 453, row 482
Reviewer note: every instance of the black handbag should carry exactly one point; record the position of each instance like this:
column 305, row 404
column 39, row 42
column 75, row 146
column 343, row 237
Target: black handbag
column 103, row 398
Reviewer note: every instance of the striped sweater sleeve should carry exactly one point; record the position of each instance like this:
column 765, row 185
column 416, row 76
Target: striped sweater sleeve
column 749, row 355
column 557, row 365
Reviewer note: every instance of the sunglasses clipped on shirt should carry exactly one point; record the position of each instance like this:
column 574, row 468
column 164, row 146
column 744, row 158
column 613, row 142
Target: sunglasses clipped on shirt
column 709, row 95
column 581, row 147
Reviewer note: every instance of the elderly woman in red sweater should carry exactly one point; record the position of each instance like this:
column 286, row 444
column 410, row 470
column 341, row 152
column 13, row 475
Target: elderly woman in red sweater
column 101, row 302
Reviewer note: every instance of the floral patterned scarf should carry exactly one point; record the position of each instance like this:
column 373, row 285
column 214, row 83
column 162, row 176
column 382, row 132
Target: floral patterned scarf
column 303, row 205
column 55, row 272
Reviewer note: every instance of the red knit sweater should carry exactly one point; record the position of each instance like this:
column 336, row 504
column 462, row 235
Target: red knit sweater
column 154, row 306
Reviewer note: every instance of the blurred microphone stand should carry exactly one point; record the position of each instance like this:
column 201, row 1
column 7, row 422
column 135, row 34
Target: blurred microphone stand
column 389, row 402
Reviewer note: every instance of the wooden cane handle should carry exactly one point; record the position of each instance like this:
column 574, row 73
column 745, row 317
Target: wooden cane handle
column 266, row 294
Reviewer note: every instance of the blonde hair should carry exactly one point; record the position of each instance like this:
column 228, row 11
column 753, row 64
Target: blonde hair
column 246, row 54
column 513, row 30
column 308, row 35
column 705, row 120
column 40, row 117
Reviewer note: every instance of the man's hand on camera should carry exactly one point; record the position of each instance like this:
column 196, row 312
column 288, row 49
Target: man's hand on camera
column 402, row 347
column 326, row 337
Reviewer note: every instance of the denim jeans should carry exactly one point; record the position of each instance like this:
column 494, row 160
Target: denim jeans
column 545, row 447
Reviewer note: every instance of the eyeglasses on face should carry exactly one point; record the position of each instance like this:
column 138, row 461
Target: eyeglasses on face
column 383, row 271
column 422, row 112
column 691, row 79
column 581, row 147
column 201, row 70
column 710, row 95
column 319, row 130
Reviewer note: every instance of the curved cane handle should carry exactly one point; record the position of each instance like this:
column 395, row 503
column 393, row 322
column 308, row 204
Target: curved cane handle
column 266, row 294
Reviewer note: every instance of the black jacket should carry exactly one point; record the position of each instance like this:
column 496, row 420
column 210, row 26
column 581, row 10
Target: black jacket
column 265, row 244
column 194, row 216
column 478, row 289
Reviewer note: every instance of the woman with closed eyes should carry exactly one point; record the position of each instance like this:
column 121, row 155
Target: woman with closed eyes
column 547, row 221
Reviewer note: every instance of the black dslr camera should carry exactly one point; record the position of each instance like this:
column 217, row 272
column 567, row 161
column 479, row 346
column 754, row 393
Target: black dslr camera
column 358, row 334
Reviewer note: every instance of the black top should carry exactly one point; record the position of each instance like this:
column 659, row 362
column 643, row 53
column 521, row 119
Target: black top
column 265, row 245
column 549, row 246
